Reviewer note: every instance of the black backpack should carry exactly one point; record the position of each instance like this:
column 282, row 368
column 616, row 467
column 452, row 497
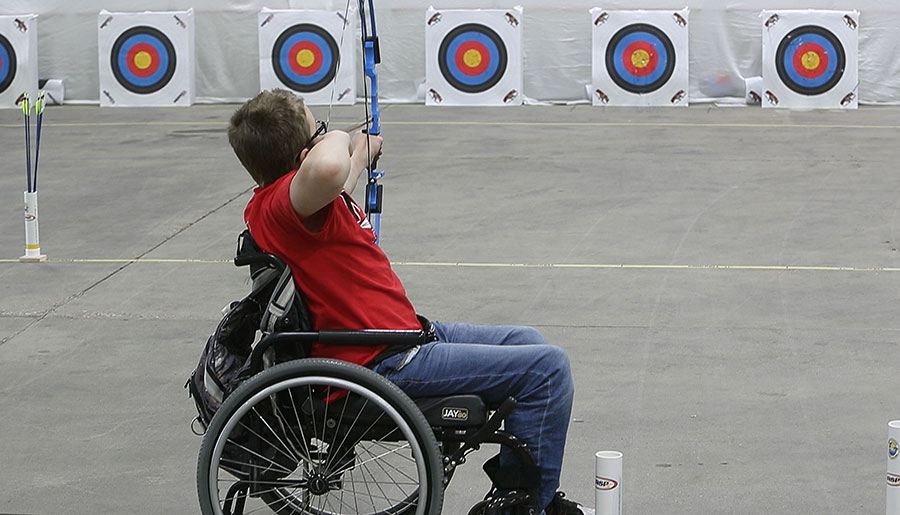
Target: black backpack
column 223, row 361
column 273, row 305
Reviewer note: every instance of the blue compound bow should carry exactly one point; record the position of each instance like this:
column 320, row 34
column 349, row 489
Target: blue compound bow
column 371, row 57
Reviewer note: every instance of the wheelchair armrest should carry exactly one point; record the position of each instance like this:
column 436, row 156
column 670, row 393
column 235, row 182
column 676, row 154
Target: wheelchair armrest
column 334, row 337
column 259, row 259
column 371, row 337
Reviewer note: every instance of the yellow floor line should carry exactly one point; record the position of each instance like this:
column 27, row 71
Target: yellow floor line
column 652, row 124
column 451, row 264
column 223, row 125
column 775, row 268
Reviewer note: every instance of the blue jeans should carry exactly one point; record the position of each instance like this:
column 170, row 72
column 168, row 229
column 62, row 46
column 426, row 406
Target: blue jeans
column 496, row 362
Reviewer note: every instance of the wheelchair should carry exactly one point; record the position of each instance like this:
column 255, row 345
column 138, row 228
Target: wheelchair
column 313, row 436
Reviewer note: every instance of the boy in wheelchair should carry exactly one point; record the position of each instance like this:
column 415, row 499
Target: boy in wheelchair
column 303, row 213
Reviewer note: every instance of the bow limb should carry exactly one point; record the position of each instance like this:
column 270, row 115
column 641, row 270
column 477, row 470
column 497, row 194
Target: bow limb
column 371, row 57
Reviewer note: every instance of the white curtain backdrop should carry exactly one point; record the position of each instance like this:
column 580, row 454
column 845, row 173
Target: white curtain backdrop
column 725, row 44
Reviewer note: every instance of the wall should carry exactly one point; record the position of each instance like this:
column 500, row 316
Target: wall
column 725, row 44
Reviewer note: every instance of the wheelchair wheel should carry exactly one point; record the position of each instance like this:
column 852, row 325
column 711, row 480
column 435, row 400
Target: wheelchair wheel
column 319, row 437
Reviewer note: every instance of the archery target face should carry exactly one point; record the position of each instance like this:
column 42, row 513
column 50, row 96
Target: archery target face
column 143, row 60
column 473, row 57
column 146, row 59
column 18, row 58
column 303, row 51
column 639, row 57
column 810, row 60
column 807, row 56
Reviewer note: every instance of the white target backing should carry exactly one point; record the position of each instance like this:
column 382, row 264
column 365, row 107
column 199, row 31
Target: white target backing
column 146, row 59
column 810, row 59
column 473, row 57
column 18, row 58
column 312, row 53
column 639, row 58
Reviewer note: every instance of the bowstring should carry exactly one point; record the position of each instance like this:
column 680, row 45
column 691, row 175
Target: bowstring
column 337, row 71
column 368, row 118
column 366, row 95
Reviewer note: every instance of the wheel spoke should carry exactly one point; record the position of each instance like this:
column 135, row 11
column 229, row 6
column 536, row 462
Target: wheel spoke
column 296, row 447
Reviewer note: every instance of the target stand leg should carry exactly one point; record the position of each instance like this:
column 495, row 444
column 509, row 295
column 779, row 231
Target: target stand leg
column 32, row 245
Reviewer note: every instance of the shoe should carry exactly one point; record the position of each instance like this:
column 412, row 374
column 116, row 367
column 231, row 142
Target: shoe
column 559, row 505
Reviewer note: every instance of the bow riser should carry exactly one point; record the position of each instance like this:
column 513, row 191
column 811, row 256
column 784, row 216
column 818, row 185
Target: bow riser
column 371, row 57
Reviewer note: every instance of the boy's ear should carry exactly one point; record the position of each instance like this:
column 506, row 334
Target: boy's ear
column 302, row 156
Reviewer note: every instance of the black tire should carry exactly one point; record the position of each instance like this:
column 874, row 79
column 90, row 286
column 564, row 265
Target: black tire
column 479, row 508
column 368, row 451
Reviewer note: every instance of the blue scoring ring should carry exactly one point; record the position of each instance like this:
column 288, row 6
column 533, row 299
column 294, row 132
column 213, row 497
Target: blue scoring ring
column 8, row 63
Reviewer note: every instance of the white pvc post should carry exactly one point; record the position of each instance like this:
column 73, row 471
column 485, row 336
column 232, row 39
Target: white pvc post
column 32, row 240
column 893, row 468
column 608, row 483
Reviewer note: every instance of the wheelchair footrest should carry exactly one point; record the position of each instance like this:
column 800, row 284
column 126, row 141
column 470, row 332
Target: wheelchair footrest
column 511, row 477
column 453, row 411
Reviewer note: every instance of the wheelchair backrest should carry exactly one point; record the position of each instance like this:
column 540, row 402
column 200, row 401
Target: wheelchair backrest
column 273, row 306
column 284, row 308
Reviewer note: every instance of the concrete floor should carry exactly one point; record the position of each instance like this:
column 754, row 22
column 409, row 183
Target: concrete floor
column 725, row 281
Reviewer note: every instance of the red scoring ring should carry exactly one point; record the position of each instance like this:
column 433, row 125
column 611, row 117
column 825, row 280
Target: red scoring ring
column 461, row 53
column 299, row 47
column 634, row 47
column 154, row 59
column 798, row 60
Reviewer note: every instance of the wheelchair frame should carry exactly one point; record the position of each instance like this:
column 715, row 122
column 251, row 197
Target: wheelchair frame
column 273, row 434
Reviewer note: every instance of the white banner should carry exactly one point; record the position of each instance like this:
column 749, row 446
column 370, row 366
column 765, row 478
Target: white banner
column 725, row 46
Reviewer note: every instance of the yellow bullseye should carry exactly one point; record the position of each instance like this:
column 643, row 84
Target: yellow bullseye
column 640, row 58
column 143, row 60
column 306, row 58
column 472, row 58
column 810, row 60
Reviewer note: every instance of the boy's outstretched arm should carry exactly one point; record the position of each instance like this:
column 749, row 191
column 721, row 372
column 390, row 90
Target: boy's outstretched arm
column 333, row 164
column 323, row 171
